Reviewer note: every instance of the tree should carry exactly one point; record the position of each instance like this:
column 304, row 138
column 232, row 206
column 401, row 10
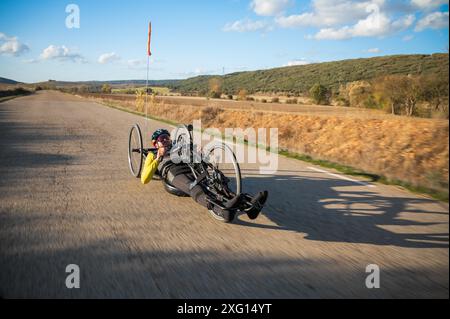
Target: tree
column 410, row 89
column 319, row 93
column 106, row 89
column 358, row 93
column 242, row 95
column 435, row 90
column 215, row 88
column 387, row 89
column 402, row 93
column 84, row 89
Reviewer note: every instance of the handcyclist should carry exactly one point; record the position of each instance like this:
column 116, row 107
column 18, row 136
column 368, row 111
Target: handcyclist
column 180, row 176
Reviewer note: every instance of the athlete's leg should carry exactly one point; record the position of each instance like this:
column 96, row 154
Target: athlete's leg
column 183, row 181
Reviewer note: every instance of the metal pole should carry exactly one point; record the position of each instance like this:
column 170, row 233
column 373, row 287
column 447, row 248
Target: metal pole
column 146, row 98
column 146, row 80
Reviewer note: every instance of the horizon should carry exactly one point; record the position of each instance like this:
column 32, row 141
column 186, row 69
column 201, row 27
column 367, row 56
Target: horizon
column 208, row 38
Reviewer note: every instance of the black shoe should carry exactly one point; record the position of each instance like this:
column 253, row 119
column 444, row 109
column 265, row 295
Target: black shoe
column 257, row 204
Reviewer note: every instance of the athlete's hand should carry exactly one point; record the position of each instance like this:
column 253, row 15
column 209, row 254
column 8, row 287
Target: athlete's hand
column 161, row 152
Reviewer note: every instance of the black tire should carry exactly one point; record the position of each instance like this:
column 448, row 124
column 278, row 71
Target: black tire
column 173, row 190
column 227, row 220
column 135, row 151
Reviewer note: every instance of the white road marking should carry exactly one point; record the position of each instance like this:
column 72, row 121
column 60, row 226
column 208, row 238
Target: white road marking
column 341, row 177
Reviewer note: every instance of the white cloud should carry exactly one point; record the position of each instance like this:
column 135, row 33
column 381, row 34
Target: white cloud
column 108, row 58
column 61, row 53
column 344, row 19
column 403, row 23
column 408, row 38
column 11, row 45
column 198, row 72
column 373, row 50
column 435, row 20
column 375, row 24
column 428, row 4
column 269, row 7
column 141, row 64
column 247, row 26
column 327, row 13
column 137, row 63
column 297, row 62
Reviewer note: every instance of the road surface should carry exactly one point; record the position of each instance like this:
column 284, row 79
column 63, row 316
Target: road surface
column 67, row 197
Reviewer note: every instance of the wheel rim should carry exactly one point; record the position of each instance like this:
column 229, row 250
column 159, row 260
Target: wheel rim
column 182, row 137
column 135, row 151
column 223, row 166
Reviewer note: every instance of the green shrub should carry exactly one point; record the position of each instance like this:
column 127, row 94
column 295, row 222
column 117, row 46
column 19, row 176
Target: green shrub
column 319, row 93
column 17, row 91
column 342, row 101
column 106, row 89
column 215, row 95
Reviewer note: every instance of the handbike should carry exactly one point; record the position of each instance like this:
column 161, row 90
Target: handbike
column 215, row 168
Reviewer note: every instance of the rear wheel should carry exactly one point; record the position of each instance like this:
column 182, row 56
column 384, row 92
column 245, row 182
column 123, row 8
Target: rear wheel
column 135, row 150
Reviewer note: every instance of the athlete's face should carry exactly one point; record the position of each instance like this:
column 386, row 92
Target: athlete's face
column 163, row 141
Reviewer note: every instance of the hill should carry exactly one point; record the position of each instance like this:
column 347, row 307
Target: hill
column 299, row 79
column 114, row 83
column 8, row 81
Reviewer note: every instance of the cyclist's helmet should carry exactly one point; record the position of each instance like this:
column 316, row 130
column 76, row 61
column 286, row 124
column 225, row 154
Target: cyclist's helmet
column 158, row 133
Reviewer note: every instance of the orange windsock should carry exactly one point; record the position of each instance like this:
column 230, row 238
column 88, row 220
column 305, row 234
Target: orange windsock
column 149, row 38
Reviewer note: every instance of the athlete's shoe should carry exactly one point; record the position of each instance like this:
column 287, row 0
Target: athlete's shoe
column 257, row 204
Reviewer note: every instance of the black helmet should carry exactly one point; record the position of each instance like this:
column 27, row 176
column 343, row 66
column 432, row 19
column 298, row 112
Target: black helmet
column 159, row 132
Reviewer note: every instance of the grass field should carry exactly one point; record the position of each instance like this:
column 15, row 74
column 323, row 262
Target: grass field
column 309, row 109
column 158, row 90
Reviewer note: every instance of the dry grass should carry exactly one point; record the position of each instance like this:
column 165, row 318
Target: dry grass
column 310, row 109
column 413, row 150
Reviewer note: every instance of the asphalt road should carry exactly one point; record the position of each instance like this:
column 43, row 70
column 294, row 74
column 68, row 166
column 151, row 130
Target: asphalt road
column 67, row 197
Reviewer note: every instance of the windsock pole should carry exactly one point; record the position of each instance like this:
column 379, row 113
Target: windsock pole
column 149, row 53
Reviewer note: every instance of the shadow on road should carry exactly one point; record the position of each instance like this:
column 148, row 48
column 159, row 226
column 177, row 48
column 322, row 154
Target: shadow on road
column 110, row 268
column 21, row 143
column 332, row 210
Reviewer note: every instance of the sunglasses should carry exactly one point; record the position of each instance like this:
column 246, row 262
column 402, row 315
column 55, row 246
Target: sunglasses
column 163, row 138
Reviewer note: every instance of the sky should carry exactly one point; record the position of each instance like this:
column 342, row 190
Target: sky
column 80, row 40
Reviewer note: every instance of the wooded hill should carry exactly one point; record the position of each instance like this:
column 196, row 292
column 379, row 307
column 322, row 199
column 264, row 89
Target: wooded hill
column 299, row 79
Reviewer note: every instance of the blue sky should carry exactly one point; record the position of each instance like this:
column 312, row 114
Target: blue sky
column 208, row 36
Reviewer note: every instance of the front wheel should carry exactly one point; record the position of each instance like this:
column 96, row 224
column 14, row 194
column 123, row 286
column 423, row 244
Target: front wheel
column 223, row 170
column 135, row 150
column 182, row 139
